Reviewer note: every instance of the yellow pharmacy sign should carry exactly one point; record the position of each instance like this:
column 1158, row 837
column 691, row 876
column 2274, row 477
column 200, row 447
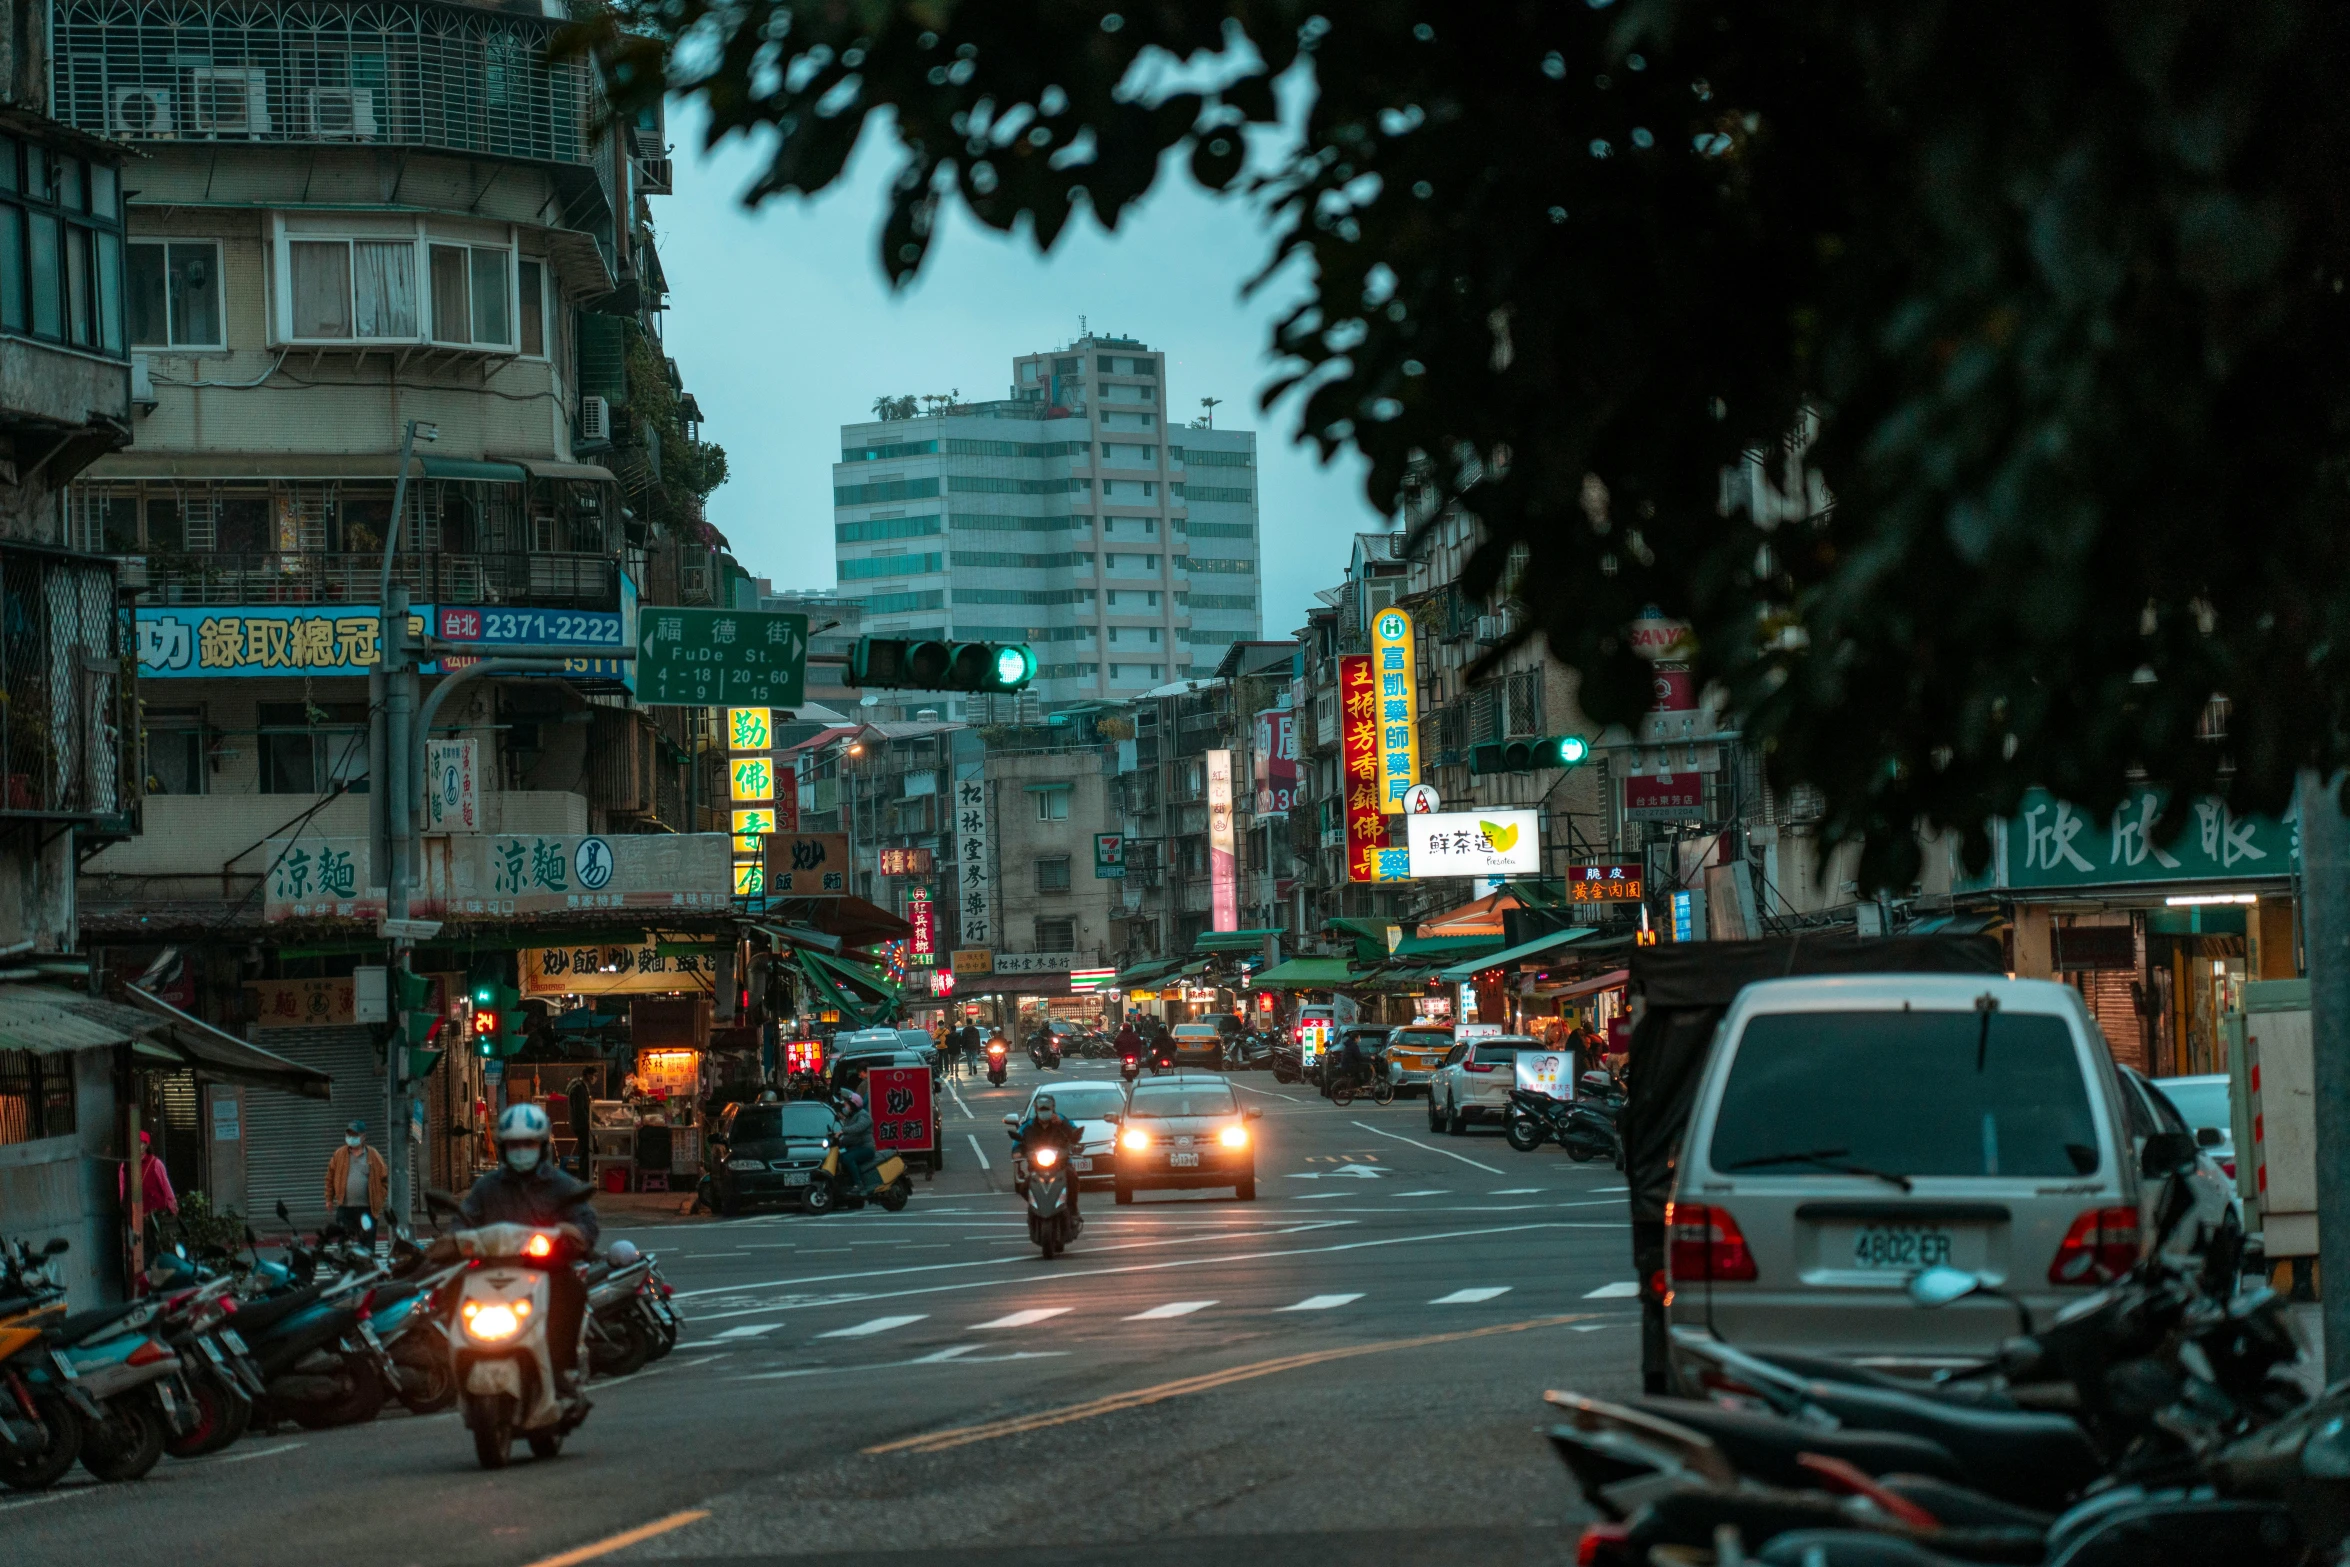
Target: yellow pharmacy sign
column 750, row 878
column 751, row 827
column 1397, row 675
column 750, row 728
column 751, row 777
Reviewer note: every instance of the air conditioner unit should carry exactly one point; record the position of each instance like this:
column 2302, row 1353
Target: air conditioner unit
column 142, row 111
column 1492, row 628
column 343, row 113
column 226, row 101
column 595, row 419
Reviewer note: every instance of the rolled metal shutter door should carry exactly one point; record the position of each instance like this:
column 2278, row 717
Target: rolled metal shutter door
column 289, row 1139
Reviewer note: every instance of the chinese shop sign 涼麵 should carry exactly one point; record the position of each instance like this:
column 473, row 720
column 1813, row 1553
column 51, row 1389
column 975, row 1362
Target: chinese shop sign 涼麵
column 493, row 874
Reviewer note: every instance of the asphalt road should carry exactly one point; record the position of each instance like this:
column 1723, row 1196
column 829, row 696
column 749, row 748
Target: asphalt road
column 1350, row 1367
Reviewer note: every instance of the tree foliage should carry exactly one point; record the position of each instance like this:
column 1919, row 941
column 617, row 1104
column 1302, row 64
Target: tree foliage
column 2062, row 286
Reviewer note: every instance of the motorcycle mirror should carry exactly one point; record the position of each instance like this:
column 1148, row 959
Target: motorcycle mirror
column 439, row 1201
column 1011, row 1120
column 56, row 1248
column 2209, row 1137
column 2166, row 1153
column 1941, row 1284
column 1252, row 1112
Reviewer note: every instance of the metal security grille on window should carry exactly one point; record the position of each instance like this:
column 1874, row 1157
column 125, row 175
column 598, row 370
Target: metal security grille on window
column 36, row 1095
column 423, row 75
column 63, row 650
column 1052, row 875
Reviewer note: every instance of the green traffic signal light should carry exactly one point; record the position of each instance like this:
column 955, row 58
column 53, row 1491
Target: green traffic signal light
column 1015, row 666
column 1526, row 756
column 897, row 663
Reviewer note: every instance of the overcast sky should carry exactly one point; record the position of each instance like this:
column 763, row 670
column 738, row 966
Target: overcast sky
column 785, row 330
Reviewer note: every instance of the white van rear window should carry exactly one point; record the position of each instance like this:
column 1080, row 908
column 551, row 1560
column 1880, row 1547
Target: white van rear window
column 1906, row 1093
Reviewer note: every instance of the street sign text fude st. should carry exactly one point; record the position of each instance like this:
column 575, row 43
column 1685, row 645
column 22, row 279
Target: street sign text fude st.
column 713, row 657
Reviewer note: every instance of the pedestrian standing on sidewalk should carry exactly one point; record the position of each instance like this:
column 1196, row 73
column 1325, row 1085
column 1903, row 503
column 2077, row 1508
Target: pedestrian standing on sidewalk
column 358, row 1182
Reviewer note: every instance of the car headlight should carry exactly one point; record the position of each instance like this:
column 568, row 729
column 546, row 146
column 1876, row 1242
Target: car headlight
column 1135, row 1139
column 1046, row 1157
column 1233, row 1137
column 491, row 1323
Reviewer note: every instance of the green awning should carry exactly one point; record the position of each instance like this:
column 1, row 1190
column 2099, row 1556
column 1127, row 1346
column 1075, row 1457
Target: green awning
column 813, row 967
column 1143, row 973
column 1369, row 936
column 1461, row 972
column 466, row 468
column 1307, row 974
column 1231, row 940
column 1454, row 947
column 871, row 980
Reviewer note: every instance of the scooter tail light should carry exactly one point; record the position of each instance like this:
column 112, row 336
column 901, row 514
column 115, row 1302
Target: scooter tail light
column 1604, row 1545
column 148, row 1353
column 1703, row 1242
column 2101, row 1246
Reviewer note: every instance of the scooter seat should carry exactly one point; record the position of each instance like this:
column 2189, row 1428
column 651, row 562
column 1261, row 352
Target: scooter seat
column 89, row 1324
column 1764, row 1447
column 1960, row 1507
column 2037, row 1460
column 258, row 1317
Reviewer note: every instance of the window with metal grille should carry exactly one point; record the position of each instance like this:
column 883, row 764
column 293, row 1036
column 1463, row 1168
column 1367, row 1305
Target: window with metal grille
column 36, row 1096
column 1056, row 935
column 1053, row 875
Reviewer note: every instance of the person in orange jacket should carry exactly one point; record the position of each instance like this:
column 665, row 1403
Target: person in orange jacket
column 357, row 1180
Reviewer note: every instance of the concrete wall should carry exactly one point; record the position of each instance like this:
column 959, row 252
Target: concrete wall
column 203, row 835
column 67, row 1186
column 1021, row 841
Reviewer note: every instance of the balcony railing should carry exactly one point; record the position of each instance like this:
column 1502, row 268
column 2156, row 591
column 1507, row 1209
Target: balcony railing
column 64, row 650
column 547, row 577
column 463, row 77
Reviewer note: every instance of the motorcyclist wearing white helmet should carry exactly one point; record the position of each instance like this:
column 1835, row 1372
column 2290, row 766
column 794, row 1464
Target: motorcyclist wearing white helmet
column 528, row 1187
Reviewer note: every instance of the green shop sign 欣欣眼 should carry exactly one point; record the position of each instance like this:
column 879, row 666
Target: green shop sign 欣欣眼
column 2048, row 843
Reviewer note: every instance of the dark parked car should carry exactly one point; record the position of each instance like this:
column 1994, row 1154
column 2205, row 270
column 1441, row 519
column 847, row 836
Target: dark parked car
column 765, row 1152
column 1183, row 1131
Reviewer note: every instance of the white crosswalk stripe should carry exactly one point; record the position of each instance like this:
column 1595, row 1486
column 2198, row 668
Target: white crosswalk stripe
column 751, row 1330
column 1623, row 1290
column 1322, row 1302
column 867, row 1329
column 1470, row 1297
column 1021, row 1319
column 1173, row 1308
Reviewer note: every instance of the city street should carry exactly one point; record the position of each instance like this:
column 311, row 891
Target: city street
column 1349, row 1368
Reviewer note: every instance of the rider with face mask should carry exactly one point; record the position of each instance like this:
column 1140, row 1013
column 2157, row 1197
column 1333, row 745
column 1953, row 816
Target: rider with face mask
column 528, row 1187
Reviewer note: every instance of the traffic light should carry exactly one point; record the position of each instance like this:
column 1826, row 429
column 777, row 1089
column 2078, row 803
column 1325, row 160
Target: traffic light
column 908, row 664
column 1526, row 756
column 412, row 997
column 497, row 1021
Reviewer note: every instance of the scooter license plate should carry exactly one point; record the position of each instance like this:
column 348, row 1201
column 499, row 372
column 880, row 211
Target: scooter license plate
column 367, row 1332
column 1183, row 1161
column 796, row 1178
column 230, row 1337
column 1081, row 1165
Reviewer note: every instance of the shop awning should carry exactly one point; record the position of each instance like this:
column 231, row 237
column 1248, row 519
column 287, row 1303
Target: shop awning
column 1232, row 940
column 49, row 1021
column 865, row 977
column 1143, row 973
column 1461, row 972
column 1453, row 947
column 467, row 468
column 1481, row 918
column 1306, row 974
column 586, row 471
column 800, row 936
column 1592, row 986
column 840, row 989
column 224, row 1056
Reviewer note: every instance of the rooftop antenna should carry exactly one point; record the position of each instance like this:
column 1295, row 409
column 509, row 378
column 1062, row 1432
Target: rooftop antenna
column 1083, row 331
column 1209, row 403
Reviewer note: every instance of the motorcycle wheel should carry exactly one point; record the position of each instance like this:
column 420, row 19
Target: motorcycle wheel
column 893, row 1196
column 817, row 1198
column 617, row 1346
column 1582, row 1153
column 493, row 1431
column 1050, row 1240
column 219, row 1414
column 664, row 1336
column 359, row 1403
column 1523, row 1134
column 545, row 1444
column 434, row 1384
column 128, row 1440
column 39, row 1471
column 1342, row 1094
column 1382, row 1092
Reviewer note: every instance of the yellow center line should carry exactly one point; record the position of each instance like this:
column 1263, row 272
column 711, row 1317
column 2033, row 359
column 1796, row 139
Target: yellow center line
column 963, row 1436
column 622, row 1540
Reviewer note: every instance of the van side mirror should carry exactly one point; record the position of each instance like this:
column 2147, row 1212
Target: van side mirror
column 2209, row 1137
column 2166, row 1153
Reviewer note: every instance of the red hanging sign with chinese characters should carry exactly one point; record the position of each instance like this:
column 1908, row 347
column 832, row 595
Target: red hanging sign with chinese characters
column 1358, row 744
column 1617, row 883
column 899, row 1099
column 923, row 916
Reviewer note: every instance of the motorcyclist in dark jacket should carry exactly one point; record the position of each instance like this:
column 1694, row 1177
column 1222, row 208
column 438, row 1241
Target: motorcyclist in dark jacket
column 528, row 1187
column 1045, row 1124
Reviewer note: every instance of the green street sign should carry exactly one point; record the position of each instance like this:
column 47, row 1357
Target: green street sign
column 721, row 657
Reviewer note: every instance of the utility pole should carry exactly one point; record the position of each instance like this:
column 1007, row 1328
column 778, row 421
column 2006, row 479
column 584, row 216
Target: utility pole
column 2325, row 870
column 388, row 725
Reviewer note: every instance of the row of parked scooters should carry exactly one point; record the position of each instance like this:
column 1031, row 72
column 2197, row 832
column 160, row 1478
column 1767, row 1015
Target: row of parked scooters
column 2170, row 1418
column 218, row 1345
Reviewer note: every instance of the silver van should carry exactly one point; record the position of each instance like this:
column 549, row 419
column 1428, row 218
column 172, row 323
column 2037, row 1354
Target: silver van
column 1850, row 1131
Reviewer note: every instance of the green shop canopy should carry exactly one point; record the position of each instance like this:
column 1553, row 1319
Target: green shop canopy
column 1461, row 972
column 1454, row 947
column 1369, row 937
column 825, row 976
column 1232, row 940
column 1142, row 974
column 1307, row 974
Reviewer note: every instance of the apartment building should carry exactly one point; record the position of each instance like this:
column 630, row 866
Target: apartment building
column 1074, row 515
column 348, row 224
column 835, row 621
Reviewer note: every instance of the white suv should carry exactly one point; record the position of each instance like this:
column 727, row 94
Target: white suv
column 1475, row 1080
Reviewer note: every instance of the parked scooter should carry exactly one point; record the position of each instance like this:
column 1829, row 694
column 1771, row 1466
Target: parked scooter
column 1584, row 1130
column 499, row 1339
column 835, row 1184
column 1053, row 1221
column 41, row 1408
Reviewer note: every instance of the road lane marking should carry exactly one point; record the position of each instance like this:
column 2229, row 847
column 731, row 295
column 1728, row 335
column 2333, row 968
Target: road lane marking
column 964, row 1436
column 1173, row 1308
column 1470, row 1297
column 1433, row 1191
column 866, row 1329
column 1431, row 1147
column 976, row 1151
column 1518, row 1191
column 1323, row 1302
column 750, row 1330
column 899, row 1365
column 58, row 1495
column 1022, row 1319
column 949, row 1353
column 1623, row 1290
column 1591, row 1327
column 1319, row 1196
column 966, row 1109
column 623, row 1540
